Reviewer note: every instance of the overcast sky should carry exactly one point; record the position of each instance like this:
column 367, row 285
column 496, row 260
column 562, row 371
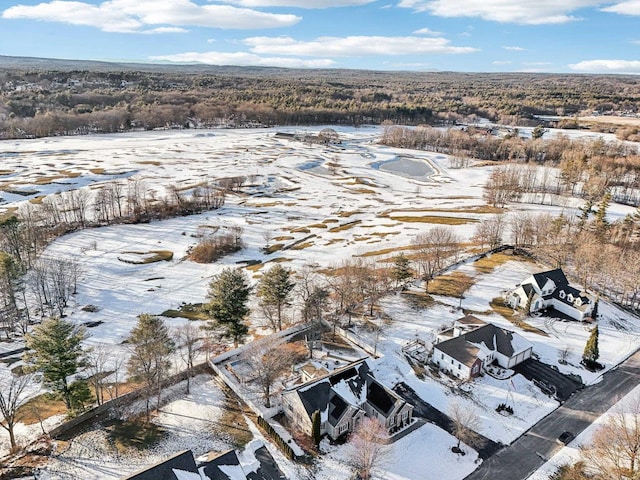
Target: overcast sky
column 585, row 36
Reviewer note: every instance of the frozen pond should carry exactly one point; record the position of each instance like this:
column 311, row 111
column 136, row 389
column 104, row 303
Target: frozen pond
column 407, row 167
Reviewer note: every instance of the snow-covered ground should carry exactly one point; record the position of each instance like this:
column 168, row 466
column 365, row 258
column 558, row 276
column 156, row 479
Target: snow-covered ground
column 340, row 194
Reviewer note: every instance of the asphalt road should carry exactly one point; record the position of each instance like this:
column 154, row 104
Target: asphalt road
column 533, row 449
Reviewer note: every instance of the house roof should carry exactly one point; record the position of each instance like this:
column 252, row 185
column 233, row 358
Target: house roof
column 213, row 469
column 557, row 276
column 164, row 470
column 466, row 347
column 350, row 386
column 460, row 349
column 470, row 320
column 380, row 398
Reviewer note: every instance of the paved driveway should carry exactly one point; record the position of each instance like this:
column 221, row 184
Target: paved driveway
column 549, row 379
column 533, row 449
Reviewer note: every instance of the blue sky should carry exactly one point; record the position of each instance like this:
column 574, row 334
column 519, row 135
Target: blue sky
column 582, row 36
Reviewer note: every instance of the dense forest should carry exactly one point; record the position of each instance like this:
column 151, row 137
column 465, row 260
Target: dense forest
column 50, row 97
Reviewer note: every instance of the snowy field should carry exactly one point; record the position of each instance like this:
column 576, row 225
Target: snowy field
column 350, row 199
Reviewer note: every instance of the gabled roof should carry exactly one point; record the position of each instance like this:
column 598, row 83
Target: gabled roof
column 228, row 459
column 458, row 348
column 350, row 386
column 380, row 398
column 466, row 347
column 557, row 276
column 164, row 470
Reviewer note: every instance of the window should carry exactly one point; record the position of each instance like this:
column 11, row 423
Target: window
column 562, row 294
column 343, row 428
column 442, row 356
column 452, row 361
column 392, row 421
column 459, row 366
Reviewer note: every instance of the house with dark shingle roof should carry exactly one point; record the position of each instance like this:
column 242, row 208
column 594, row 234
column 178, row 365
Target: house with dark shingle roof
column 472, row 344
column 342, row 398
column 551, row 290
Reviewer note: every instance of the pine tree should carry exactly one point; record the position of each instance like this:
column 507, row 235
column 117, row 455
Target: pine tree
column 227, row 307
column 54, row 349
column 591, row 351
column 600, row 221
column 401, row 269
column 315, row 427
column 274, row 290
column 149, row 362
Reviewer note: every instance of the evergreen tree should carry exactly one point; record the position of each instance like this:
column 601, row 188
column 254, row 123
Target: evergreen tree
column 538, row 132
column 149, row 362
column 401, row 269
column 228, row 296
column 274, row 290
column 315, row 427
column 54, row 349
column 591, row 351
column 600, row 220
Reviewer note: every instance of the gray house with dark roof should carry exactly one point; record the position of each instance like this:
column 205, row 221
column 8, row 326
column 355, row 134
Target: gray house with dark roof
column 551, row 289
column 464, row 351
column 342, row 398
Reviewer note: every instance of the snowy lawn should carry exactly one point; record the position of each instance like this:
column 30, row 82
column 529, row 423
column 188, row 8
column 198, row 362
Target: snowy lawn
column 423, row 454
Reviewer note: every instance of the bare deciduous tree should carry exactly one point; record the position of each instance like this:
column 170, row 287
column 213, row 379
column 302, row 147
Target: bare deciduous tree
column 614, row 450
column 12, row 397
column 367, row 449
column 188, row 343
column 435, row 248
column 465, row 422
column 268, row 358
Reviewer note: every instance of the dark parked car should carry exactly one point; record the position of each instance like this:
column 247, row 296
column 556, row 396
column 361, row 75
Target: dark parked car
column 565, row 438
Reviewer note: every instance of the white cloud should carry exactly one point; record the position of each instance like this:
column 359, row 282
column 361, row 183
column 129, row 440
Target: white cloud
column 299, row 3
column 607, row 66
column 536, row 64
column 165, row 30
column 501, row 62
column 426, row 31
column 630, row 7
column 244, row 59
column 131, row 16
column 517, row 11
column 514, row 49
column 354, row 46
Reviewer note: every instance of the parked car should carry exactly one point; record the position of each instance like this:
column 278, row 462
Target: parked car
column 565, row 438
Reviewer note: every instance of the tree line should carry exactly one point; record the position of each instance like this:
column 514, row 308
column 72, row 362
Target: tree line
column 38, row 102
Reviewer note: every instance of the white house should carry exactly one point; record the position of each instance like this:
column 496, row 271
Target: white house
column 551, row 290
column 342, row 398
column 472, row 344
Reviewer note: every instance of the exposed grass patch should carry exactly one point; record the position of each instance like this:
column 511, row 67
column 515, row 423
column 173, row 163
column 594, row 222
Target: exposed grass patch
column 6, row 172
column 318, row 225
column 264, row 205
column 300, row 230
column 232, row 424
column 134, row 434
column 435, row 219
column 334, row 241
column 345, row 226
column 477, row 209
column 451, row 285
column 273, row 248
column 419, row 300
column 387, row 251
column 498, row 306
column 302, row 246
column 361, row 239
column 280, row 260
column 149, row 162
column 142, row 258
column 8, row 213
column 489, row 263
column 70, row 174
column 283, row 238
column 331, row 220
column 41, row 407
column 97, row 171
column 255, row 267
column 364, row 191
column 38, row 200
column 190, row 311
column 347, row 214
column 383, row 234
